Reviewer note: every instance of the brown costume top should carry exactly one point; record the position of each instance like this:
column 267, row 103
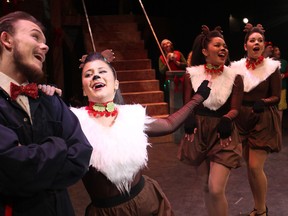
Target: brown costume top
column 260, row 130
column 224, row 99
column 114, row 180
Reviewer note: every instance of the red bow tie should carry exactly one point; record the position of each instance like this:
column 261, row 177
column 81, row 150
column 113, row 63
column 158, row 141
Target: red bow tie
column 30, row 90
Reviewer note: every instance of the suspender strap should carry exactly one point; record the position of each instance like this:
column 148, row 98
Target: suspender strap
column 8, row 210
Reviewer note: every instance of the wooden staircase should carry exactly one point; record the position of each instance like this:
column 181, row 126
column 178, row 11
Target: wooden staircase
column 137, row 78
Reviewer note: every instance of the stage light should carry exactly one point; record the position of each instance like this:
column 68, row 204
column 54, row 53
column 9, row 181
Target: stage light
column 245, row 20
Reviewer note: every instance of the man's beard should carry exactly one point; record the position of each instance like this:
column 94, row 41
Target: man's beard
column 32, row 73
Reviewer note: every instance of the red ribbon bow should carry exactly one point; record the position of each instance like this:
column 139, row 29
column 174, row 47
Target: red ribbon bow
column 30, row 90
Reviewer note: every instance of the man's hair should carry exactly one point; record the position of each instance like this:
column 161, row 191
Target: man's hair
column 7, row 22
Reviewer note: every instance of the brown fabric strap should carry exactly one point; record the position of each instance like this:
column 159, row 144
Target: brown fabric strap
column 119, row 199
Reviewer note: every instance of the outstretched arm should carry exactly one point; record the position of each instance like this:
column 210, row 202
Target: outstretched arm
column 163, row 126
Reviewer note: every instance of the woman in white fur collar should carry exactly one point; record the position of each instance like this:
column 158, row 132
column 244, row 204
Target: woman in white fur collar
column 211, row 138
column 118, row 134
column 259, row 121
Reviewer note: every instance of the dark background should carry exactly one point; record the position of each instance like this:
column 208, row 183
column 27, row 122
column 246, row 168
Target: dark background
column 180, row 21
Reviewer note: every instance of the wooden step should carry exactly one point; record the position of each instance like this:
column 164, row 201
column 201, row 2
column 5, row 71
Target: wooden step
column 111, row 27
column 157, row 109
column 130, row 54
column 116, row 45
column 161, row 116
column 115, row 36
column 143, row 97
column 162, row 139
column 125, row 18
column 139, row 86
column 132, row 64
column 137, row 74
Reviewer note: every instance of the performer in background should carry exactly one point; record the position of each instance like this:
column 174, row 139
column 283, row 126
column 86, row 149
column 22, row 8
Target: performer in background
column 284, row 75
column 211, row 139
column 258, row 121
column 176, row 61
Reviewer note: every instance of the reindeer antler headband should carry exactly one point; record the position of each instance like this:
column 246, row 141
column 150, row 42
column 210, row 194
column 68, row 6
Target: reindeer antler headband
column 205, row 29
column 248, row 27
column 107, row 54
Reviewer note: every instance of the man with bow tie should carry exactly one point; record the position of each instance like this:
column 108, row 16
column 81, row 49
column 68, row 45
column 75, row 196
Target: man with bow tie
column 42, row 147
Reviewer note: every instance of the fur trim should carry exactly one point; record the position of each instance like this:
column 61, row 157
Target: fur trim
column 252, row 78
column 221, row 86
column 119, row 151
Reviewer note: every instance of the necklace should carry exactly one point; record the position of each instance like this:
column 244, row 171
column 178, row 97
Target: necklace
column 102, row 109
column 252, row 64
column 213, row 69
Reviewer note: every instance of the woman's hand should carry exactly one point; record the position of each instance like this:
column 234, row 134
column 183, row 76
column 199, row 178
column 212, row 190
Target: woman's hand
column 190, row 137
column 49, row 90
column 225, row 142
column 170, row 56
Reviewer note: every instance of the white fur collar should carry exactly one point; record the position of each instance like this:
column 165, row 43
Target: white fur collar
column 221, row 87
column 119, row 151
column 252, row 78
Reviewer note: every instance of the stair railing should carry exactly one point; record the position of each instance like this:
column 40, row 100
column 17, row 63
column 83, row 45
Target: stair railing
column 89, row 26
column 161, row 50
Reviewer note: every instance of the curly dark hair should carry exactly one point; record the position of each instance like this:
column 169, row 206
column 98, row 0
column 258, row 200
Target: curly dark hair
column 202, row 41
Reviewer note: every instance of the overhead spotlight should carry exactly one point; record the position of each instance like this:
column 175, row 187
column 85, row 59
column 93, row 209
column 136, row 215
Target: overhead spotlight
column 245, row 20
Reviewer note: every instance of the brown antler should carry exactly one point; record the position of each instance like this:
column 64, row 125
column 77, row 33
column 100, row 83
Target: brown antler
column 108, row 54
column 205, row 29
column 82, row 60
column 219, row 29
column 249, row 26
column 260, row 27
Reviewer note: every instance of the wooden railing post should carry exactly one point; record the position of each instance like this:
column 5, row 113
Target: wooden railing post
column 175, row 98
